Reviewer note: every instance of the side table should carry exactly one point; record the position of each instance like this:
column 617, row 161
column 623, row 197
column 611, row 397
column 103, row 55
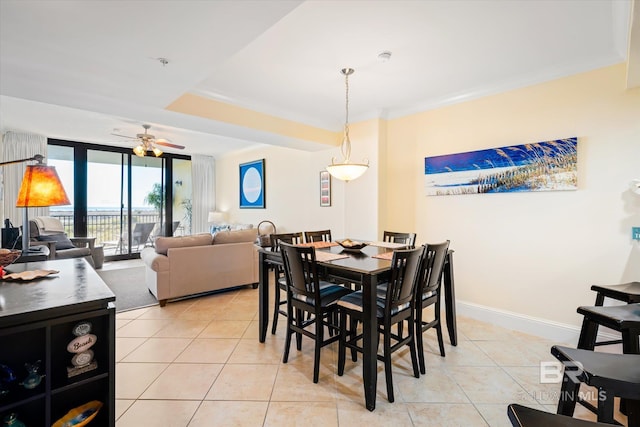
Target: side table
column 33, row 254
column 97, row 253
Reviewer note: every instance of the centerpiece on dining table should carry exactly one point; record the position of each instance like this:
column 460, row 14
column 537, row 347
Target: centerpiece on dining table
column 351, row 245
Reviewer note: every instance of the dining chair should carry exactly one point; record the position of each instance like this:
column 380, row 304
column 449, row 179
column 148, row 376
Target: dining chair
column 317, row 236
column 394, row 307
column 626, row 292
column 622, row 318
column 428, row 294
column 406, row 238
column 307, row 294
column 611, row 374
column 280, row 281
column 523, row 416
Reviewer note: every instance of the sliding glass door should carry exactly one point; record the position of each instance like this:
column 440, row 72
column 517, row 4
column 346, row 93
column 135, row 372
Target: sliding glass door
column 108, row 200
column 121, row 199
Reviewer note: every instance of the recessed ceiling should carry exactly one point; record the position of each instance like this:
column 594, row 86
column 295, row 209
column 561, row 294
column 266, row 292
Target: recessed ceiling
column 78, row 70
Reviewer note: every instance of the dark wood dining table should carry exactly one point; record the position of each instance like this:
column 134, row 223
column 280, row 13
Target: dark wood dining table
column 366, row 270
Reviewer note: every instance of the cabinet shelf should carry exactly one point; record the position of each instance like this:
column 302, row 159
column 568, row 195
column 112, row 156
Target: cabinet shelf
column 80, row 384
column 38, row 322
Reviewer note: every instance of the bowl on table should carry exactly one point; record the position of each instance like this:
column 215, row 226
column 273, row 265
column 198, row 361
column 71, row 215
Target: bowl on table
column 8, row 256
column 351, row 245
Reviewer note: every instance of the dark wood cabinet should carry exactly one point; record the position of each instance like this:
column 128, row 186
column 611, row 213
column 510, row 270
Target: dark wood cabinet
column 38, row 320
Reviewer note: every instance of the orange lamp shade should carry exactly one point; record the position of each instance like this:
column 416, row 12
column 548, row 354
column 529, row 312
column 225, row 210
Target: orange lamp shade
column 41, row 187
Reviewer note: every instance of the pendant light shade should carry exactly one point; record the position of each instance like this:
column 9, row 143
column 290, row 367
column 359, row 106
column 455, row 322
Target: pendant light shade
column 345, row 170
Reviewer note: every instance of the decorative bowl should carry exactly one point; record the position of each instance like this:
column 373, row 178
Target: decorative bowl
column 8, row 256
column 351, row 245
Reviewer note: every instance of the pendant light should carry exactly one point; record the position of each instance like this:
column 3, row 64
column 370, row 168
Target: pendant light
column 345, row 170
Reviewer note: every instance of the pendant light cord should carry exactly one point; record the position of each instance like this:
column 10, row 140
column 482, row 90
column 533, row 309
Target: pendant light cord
column 346, row 142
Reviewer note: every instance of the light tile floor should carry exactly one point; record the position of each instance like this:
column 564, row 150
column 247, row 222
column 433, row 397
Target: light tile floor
column 198, row 362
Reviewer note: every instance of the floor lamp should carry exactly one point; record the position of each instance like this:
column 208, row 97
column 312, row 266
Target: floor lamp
column 41, row 187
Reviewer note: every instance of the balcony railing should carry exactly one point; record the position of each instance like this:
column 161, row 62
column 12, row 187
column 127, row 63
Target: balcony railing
column 110, row 229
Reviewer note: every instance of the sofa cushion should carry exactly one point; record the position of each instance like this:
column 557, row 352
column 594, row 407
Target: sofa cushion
column 164, row 243
column 237, row 236
column 61, row 239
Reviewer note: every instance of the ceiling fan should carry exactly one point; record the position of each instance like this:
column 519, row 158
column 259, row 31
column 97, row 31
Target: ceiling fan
column 148, row 142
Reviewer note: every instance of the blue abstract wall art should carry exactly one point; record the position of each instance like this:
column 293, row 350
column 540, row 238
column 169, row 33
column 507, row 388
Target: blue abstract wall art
column 541, row 166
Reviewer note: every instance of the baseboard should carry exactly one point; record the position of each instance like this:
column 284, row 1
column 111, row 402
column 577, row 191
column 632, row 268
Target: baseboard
column 544, row 328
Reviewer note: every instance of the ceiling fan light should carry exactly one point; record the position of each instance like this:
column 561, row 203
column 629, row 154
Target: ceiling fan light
column 139, row 151
column 157, row 152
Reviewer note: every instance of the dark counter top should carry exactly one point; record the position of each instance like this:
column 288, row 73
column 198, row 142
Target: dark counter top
column 76, row 288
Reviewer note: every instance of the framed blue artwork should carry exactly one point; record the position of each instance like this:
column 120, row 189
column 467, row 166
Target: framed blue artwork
column 540, row 166
column 252, row 190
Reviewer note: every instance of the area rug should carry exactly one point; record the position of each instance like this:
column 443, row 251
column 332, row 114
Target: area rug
column 129, row 287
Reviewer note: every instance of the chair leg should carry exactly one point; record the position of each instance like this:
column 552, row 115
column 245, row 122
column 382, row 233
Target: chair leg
column 387, row 366
column 414, row 357
column 353, row 324
column 341, row 347
column 287, row 342
column 605, row 407
column 568, row 396
column 588, row 333
column 633, row 412
column 440, row 340
column 420, row 345
column 276, row 310
column 299, row 319
column 319, row 339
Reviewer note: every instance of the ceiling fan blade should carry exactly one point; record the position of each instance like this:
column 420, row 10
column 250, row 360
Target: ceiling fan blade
column 124, row 136
column 166, row 143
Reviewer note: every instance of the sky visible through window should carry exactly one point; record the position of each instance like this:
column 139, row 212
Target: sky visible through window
column 104, row 181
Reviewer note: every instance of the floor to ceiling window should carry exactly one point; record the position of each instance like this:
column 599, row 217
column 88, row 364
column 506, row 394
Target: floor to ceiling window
column 121, row 199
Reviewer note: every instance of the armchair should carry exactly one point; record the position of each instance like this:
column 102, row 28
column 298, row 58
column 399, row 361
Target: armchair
column 46, row 230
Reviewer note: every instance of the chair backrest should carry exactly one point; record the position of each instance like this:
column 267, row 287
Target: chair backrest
column 406, row 238
column 301, row 271
column 45, row 225
column 405, row 265
column 317, row 236
column 291, row 238
column 432, row 267
column 141, row 232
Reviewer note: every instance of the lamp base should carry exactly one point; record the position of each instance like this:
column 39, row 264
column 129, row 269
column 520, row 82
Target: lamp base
column 25, row 230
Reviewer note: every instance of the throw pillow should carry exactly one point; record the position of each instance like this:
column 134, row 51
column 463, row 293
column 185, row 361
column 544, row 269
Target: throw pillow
column 62, row 241
column 217, row 228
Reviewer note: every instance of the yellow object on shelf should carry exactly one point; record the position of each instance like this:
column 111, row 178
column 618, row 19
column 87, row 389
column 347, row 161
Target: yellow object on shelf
column 80, row 416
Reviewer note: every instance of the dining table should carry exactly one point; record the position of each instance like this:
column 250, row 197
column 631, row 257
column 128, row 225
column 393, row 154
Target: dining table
column 366, row 267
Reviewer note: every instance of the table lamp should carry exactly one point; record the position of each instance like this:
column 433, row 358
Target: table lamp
column 41, row 187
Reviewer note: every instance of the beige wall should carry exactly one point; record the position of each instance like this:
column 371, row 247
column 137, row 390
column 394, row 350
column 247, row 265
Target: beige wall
column 534, row 254
column 530, row 256
column 292, row 181
column 293, row 187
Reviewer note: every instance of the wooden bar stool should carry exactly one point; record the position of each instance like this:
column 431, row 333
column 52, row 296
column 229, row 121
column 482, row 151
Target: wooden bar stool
column 622, row 318
column 522, row 416
column 626, row 292
column 611, row 374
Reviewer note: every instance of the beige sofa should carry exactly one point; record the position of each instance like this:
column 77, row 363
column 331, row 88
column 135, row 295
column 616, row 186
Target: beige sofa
column 188, row 265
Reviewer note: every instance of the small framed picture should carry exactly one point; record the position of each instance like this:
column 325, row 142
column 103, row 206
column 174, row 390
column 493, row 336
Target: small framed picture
column 252, row 188
column 325, row 188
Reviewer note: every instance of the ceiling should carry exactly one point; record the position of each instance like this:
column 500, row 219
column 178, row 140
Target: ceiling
column 81, row 70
